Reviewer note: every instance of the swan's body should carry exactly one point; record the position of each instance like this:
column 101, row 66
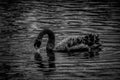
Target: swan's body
column 71, row 44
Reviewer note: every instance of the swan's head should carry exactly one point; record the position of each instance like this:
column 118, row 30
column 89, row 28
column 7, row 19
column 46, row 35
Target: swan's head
column 91, row 39
column 37, row 44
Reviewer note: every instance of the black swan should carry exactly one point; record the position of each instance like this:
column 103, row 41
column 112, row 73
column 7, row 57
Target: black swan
column 72, row 44
column 69, row 44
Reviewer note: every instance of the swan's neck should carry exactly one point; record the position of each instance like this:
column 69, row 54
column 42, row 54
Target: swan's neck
column 51, row 38
column 49, row 47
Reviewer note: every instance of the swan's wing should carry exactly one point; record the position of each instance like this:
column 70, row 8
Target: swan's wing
column 67, row 43
column 79, row 47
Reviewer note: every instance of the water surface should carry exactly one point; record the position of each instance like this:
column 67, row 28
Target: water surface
column 21, row 22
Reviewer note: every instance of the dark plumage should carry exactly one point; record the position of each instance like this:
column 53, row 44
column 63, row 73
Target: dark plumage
column 69, row 43
column 77, row 43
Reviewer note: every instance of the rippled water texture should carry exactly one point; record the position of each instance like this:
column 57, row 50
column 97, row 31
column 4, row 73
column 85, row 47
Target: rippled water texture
column 22, row 20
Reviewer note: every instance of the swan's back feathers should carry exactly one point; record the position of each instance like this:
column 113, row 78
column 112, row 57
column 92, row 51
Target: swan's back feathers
column 67, row 43
column 77, row 43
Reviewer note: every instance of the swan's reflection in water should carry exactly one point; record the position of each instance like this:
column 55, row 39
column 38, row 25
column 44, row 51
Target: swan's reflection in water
column 50, row 63
column 86, row 55
column 50, row 68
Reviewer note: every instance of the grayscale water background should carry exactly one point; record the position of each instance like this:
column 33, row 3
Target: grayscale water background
column 22, row 20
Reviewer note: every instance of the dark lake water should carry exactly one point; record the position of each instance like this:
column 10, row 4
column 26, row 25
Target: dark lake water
column 21, row 22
